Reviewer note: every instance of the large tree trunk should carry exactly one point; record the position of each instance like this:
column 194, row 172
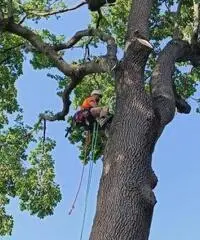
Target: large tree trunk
column 125, row 198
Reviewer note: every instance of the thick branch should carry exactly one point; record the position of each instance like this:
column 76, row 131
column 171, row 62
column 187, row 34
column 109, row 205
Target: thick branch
column 137, row 47
column 135, row 58
column 162, row 84
column 75, row 39
column 68, row 69
column 66, row 102
column 89, row 67
column 100, row 64
column 41, row 46
column 111, row 45
column 76, row 72
column 139, row 19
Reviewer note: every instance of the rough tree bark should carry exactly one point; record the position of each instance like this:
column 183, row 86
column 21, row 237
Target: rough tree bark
column 125, row 199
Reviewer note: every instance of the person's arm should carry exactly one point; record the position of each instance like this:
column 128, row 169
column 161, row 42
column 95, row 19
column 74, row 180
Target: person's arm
column 92, row 103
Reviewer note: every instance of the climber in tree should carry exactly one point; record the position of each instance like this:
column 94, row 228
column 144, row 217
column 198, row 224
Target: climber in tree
column 91, row 104
column 89, row 113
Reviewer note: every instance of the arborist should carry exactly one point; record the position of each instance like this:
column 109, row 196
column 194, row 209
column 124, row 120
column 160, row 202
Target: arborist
column 91, row 104
column 89, row 113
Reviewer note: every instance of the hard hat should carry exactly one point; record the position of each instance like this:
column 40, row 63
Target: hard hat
column 97, row 92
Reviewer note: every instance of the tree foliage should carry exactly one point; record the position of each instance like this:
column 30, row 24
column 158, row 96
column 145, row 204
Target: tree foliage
column 29, row 173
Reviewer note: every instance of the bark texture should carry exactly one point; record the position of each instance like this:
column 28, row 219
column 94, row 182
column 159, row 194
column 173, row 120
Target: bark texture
column 125, row 199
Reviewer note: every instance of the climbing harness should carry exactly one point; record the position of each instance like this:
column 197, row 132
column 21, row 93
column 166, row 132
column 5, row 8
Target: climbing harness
column 82, row 118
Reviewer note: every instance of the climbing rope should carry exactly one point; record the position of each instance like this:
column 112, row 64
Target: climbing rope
column 80, row 183
column 94, row 142
column 77, row 193
column 82, row 174
column 83, row 169
column 44, row 136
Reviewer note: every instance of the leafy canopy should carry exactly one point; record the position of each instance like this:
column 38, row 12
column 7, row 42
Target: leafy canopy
column 28, row 173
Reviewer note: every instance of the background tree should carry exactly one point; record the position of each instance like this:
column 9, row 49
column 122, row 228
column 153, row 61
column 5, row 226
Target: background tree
column 143, row 80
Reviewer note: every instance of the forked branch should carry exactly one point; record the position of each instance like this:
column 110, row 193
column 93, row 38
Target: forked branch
column 66, row 102
column 101, row 64
column 162, row 86
column 76, row 72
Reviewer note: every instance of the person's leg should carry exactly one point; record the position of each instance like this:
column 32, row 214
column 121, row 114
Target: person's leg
column 104, row 112
column 96, row 111
column 99, row 112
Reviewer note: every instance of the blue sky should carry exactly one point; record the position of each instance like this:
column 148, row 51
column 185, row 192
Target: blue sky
column 175, row 161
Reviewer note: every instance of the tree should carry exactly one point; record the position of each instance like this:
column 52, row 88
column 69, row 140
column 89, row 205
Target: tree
column 149, row 83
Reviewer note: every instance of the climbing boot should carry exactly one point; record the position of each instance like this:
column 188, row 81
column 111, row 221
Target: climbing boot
column 104, row 120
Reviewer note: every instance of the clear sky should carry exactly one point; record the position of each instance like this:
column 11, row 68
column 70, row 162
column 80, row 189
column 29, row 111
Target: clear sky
column 175, row 161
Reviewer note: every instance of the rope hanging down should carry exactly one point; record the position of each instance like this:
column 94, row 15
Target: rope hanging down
column 82, row 173
column 94, row 142
column 44, row 136
column 79, row 188
column 80, row 183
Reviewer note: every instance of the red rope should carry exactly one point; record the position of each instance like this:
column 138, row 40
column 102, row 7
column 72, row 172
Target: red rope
column 79, row 188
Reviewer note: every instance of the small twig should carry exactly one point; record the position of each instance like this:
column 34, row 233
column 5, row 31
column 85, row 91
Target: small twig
column 44, row 136
column 195, row 99
column 23, row 19
column 196, row 22
column 3, row 50
column 53, row 12
column 87, row 53
column 177, row 33
column 5, row 60
column 99, row 18
column 10, row 9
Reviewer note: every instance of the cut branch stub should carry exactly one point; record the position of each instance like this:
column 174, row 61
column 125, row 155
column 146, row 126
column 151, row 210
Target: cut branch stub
column 136, row 53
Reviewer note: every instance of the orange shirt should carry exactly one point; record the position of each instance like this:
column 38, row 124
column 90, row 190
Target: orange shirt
column 88, row 103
